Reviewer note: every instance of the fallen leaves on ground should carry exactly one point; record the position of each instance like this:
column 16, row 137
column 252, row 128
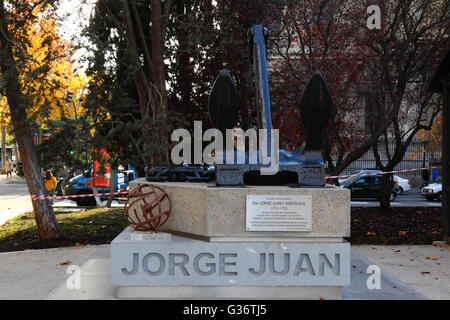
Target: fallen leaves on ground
column 64, row 262
column 410, row 225
column 431, row 258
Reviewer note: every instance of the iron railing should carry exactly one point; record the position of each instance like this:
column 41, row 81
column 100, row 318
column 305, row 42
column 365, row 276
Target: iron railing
column 420, row 154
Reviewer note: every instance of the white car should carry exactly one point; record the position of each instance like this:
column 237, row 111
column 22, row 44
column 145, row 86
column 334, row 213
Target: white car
column 402, row 185
column 432, row 191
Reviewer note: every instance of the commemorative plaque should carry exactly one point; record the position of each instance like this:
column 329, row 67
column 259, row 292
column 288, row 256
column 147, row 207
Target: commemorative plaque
column 278, row 213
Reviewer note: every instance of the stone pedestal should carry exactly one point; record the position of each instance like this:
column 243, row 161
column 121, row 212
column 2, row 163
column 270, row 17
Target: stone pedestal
column 206, row 251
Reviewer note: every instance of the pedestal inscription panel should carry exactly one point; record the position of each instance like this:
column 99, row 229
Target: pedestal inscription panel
column 183, row 262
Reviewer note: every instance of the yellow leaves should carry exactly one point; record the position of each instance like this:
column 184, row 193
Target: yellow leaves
column 46, row 69
column 434, row 136
column 431, row 258
column 4, row 111
column 436, row 131
column 423, row 134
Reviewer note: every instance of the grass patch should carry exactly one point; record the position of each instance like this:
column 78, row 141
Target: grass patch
column 95, row 226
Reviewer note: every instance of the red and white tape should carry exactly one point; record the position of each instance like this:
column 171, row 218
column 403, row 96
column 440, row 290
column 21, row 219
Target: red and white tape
column 379, row 173
column 44, row 197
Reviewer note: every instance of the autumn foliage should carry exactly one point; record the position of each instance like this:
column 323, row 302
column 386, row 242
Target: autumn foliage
column 44, row 61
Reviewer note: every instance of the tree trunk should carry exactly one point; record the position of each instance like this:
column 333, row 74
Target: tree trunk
column 16, row 152
column 446, row 159
column 159, row 74
column 43, row 212
column 140, row 79
column 386, row 190
column 3, row 148
column 151, row 87
column 98, row 202
column 16, row 149
column 112, row 186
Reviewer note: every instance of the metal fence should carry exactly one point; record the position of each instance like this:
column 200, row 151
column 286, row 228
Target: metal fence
column 419, row 154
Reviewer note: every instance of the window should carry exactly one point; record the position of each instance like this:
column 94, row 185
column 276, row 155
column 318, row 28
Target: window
column 362, row 181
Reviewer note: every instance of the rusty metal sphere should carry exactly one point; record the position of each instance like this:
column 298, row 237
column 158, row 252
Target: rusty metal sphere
column 148, row 207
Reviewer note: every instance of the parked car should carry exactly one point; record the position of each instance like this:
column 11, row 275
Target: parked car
column 427, row 183
column 401, row 185
column 369, row 187
column 363, row 171
column 432, row 191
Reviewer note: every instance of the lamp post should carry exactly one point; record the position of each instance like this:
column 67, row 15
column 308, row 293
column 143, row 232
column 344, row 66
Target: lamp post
column 67, row 99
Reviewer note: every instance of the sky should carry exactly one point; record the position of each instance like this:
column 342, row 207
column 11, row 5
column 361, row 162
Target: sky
column 74, row 14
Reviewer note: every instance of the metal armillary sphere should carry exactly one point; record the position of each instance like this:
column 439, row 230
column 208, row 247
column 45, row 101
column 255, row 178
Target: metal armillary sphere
column 148, row 207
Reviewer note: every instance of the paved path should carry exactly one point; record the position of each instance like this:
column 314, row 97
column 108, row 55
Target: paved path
column 425, row 268
column 13, row 193
column 34, row 274
column 38, row 274
column 14, row 197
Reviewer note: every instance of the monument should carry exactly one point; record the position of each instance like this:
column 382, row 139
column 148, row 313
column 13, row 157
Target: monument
column 228, row 239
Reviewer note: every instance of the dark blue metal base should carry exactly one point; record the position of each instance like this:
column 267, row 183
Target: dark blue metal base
column 294, row 167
